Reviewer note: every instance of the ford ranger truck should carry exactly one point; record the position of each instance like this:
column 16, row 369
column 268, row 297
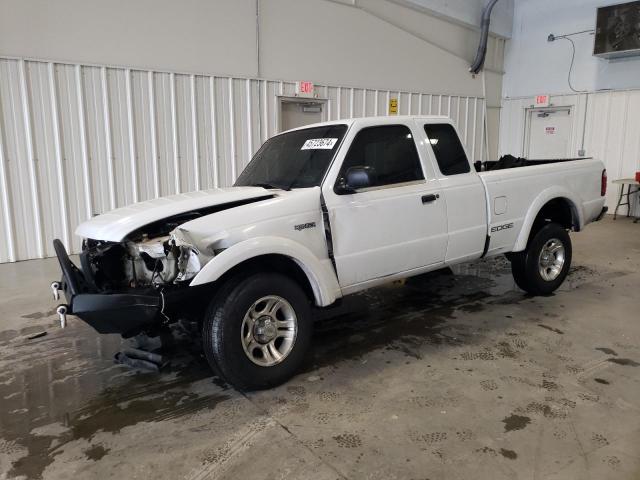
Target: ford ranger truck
column 321, row 212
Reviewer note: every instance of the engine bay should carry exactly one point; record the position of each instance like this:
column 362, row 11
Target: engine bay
column 151, row 262
column 155, row 255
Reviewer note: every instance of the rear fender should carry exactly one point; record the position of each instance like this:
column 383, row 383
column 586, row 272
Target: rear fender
column 320, row 274
column 541, row 200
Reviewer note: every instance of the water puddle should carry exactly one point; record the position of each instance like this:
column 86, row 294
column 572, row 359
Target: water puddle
column 408, row 314
column 65, row 386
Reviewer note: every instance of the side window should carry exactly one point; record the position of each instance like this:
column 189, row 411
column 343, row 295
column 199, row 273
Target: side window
column 447, row 149
column 389, row 152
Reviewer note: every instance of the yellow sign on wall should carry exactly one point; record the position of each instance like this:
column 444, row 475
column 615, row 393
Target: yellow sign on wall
column 393, row 106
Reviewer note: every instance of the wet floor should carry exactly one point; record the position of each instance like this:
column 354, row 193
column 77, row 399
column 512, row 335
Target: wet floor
column 63, row 389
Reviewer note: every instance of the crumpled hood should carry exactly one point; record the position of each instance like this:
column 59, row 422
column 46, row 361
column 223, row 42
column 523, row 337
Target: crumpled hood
column 115, row 225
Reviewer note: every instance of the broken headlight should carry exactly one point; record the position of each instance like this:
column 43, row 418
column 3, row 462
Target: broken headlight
column 163, row 260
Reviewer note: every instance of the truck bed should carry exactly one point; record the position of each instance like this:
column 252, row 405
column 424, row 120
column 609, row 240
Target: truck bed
column 516, row 194
column 509, row 161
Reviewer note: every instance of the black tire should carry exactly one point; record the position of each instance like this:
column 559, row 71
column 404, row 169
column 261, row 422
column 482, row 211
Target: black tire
column 223, row 345
column 525, row 265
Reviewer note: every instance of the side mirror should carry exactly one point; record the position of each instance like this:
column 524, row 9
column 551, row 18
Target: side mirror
column 355, row 178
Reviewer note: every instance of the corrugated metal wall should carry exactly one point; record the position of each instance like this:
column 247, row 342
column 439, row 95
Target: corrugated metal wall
column 79, row 140
column 610, row 126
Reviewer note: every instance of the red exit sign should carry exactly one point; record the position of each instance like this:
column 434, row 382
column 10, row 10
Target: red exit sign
column 304, row 88
column 542, row 101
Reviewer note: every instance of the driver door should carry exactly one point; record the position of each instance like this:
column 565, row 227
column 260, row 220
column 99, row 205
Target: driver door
column 396, row 224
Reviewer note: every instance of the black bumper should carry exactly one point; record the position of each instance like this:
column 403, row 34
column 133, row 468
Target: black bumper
column 125, row 313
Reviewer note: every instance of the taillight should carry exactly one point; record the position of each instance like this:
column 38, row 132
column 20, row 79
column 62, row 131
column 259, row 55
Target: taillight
column 603, row 183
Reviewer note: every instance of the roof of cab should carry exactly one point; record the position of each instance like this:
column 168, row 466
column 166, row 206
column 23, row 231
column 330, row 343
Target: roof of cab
column 382, row 119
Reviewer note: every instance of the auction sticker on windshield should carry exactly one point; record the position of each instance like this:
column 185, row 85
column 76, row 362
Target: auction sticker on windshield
column 319, row 144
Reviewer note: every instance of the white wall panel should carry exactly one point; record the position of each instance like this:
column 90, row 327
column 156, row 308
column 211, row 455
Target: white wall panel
column 79, row 140
column 610, row 127
column 470, row 12
column 189, row 35
column 369, row 42
column 535, row 66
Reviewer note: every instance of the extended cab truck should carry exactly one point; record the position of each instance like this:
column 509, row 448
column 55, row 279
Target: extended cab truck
column 321, row 212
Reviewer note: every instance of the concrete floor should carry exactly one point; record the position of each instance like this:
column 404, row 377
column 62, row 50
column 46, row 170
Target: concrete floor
column 448, row 377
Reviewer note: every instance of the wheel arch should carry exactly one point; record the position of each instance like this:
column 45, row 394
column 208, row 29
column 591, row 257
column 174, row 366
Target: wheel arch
column 553, row 205
column 275, row 254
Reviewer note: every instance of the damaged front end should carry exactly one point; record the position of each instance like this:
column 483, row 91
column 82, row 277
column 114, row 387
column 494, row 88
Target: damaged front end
column 141, row 263
column 134, row 285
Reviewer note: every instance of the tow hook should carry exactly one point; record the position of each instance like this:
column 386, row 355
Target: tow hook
column 62, row 314
column 55, row 289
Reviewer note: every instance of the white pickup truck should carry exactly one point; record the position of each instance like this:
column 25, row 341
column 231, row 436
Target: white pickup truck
column 321, row 212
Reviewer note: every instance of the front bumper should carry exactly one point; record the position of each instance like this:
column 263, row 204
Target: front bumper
column 125, row 313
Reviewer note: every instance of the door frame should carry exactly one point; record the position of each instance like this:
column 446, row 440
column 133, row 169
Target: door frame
column 280, row 99
column 430, row 184
column 530, row 111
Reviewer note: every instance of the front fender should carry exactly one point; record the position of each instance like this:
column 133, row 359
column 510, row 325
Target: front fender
column 540, row 201
column 319, row 273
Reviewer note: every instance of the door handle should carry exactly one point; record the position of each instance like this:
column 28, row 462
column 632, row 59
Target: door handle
column 432, row 197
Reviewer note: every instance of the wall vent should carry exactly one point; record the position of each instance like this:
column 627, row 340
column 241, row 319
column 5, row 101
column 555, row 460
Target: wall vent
column 618, row 31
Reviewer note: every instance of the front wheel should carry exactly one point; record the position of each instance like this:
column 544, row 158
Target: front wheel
column 543, row 266
column 257, row 330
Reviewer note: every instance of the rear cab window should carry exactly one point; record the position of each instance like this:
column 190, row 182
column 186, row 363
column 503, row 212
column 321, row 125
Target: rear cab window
column 447, row 149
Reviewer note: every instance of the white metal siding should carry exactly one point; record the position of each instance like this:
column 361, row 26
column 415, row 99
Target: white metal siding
column 610, row 127
column 79, row 140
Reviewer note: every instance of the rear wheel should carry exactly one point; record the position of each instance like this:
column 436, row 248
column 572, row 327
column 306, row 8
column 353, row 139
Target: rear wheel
column 543, row 266
column 257, row 330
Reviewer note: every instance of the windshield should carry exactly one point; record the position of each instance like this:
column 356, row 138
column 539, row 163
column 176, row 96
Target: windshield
column 296, row 159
